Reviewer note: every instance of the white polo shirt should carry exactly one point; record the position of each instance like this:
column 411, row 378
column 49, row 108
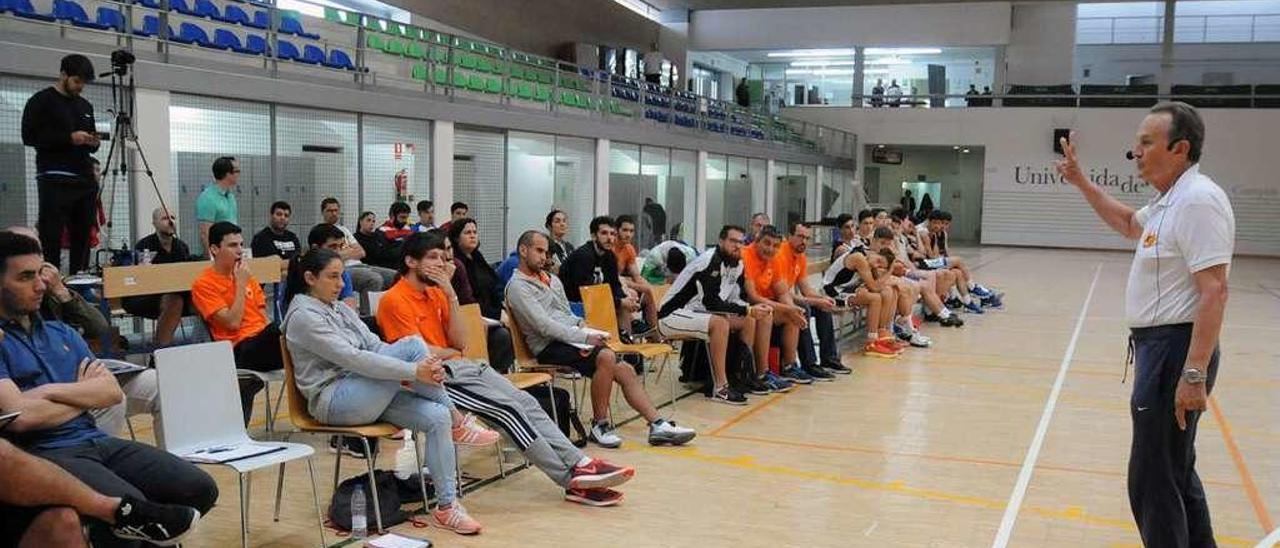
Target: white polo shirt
column 1188, row 229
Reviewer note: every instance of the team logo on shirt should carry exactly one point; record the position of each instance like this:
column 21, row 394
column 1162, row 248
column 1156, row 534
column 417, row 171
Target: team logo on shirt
column 1149, row 240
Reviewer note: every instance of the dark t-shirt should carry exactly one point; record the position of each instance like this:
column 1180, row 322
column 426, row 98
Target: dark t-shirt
column 48, row 120
column 179, row 253
column 587, row 267
column 284, row 245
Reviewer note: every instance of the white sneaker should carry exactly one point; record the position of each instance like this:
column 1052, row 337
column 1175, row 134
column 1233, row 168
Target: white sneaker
column 605, row 436
column 921, row 341
column 663, row 432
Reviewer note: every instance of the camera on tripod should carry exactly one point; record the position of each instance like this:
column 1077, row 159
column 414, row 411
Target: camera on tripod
column 120, row 61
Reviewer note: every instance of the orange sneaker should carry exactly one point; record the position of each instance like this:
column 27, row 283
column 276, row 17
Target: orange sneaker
column 455, row 518
column 878, row 349
column 471, row 432
column 894, row 343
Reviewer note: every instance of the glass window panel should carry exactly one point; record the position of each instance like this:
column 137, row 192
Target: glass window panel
column 718, row 201
column 531, row 168
column 201, row 129
column 684, row 175
column 790, row 194
column 317, row 157
column 758, row 170
column 665, row 206
column 479, row 169
column 575, row 184
column 396, row 167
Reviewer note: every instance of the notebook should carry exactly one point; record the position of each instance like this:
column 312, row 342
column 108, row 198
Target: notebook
column 222, row 454
column 392, row 540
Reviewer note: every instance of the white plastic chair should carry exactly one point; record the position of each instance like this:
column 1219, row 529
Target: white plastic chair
column 374, row 298
column 200, row 403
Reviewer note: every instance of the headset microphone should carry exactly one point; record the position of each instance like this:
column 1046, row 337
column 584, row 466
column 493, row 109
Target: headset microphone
column 1128, row 154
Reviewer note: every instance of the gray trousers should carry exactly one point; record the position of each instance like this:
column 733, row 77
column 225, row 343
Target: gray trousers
column 367, row 277
column 477, row 388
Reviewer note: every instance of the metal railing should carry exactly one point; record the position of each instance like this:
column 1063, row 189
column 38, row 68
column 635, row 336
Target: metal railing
column 1149, row 29
column 1016, row 100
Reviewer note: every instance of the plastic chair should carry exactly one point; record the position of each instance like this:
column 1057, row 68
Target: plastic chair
column 201, row 407
column 312, row 55
column 153, row 4
column 111, row 18
column 527, row 361
column 261, row 20
column 181, row 6
column 192, row 33
column 340, row 60
column 256, row 45
column 307, row 424
column 233, row 14
column 71, row 12
column 226, row 40
column 150, row 26
column 24, row 9
column 375, row 297
column 205, row 8
column 289, row 25
column 286, row 50
column 597, row 304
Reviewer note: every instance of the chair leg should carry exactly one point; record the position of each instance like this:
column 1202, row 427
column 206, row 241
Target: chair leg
column 248, row 494
column 373, row 484
column 244, row 513
column 128, row 423
column 502, row 469
column 315, row 497
column 422, row 480
column 266, row 402
column 279, row 490
column 337, row 464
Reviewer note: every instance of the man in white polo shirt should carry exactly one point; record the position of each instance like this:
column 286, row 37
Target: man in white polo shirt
column 1175, row 301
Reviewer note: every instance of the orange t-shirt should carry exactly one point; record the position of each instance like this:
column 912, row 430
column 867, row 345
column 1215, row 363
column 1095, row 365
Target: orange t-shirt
column 791, row 266
column 405, row 311
column 762, row 273
column 212, row 292
column 626, row 254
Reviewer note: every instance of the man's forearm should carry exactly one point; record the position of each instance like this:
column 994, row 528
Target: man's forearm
column 87, row 394
column 41, row 413
column 1205, row 330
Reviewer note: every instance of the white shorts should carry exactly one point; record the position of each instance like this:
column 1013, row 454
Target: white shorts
column 686, row 324
column 934, row 264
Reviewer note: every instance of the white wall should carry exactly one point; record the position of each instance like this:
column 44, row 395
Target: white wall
column 1248, row 63
column 960, row 176
column 1042, row 41
column 966, row 24
column 1023, row 204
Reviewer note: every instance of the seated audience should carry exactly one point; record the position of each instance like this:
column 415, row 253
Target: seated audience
column 557, row 225
column 934, row 284
column 595, row 263
column 396, row 229
column 62, row 304
column 507, row 268
column 350, row 377
column 854, row 279
column 538, row 304
column 629, row 272
column 458, row 210
column 379, row 252
column 705, row 303
column 367, row 276
column 758, row 221
column 48, row 374
column 426, row 216
column 232, row 304
column 933, row 245
column 665, row 261
column 794, row 288
column 276, row 238
column 908, row 290
column 422, row 306
column 42, row 505
column 485, row 288
column 760, row 274
column 167, row 309
column 846, row 235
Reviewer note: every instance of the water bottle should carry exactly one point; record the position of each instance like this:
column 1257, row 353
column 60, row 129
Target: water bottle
column 359, row 522
column 406, row 462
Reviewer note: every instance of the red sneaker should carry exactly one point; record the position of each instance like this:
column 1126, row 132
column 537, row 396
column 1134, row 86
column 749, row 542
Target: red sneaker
column 895, row 343
column 599, row 473
column 593, row 497
column 879, row 349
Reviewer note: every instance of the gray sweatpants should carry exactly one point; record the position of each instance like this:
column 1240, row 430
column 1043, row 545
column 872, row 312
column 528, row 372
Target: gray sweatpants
column 477, row 388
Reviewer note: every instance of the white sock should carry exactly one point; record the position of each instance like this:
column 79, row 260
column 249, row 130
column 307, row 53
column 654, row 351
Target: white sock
column 945, row 313
column 954, row 294
column 966, row 299
column 585, row 460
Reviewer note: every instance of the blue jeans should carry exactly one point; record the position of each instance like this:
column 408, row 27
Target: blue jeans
column 424, row 408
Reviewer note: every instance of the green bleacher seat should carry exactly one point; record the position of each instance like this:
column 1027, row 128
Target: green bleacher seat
column 499, row 67
column 483, row 64
column 439, row 55
column 415, row 50
column 442, row 76
column 493, row 85
column 375, row 41
column 419, row 72
column 566, row 98
column 545, row 78
column 477, row 83
column 468, row 61
column 373, row 24
column 394, row 46
column 517, row 73
column 542, row 95
column 332, row 14
column 459, row 79
column 393, row 28
column 524, row 90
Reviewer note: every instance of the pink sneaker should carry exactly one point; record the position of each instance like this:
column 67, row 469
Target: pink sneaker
column 471, row 432
column 455, row 518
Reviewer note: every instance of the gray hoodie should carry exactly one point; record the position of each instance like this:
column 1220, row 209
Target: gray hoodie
column 542, row 312
column 328, row 341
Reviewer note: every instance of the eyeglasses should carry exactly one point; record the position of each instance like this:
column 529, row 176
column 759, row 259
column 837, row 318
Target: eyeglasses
column 235, row 171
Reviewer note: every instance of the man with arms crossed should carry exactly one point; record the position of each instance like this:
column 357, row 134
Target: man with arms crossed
column 1174, row 303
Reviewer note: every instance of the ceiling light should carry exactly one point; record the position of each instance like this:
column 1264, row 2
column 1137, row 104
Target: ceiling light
column 966, row 151
column 957, row 147
column 813, row 53
column 822, row 63
column 889, row 61
column 902, row 51
column 879, row 146
column 876, row 71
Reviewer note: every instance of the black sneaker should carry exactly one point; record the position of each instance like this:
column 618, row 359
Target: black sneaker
column 758, row 387
column 728, row 396
column 954, row 303
column 953, row 320
column 837, row 367
column 932, row 318
column 158, row 524
column 819, row 374
column 352, row 446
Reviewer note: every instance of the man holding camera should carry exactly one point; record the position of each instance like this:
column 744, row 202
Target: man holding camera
column 59, row 124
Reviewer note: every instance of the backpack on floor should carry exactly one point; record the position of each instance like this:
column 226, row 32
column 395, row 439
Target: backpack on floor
column 388, row 500
column 695, row 365
column 564, row 414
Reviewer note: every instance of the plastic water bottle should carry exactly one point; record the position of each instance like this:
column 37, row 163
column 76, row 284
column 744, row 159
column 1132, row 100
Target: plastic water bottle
column 359, row 522
column 406, row 464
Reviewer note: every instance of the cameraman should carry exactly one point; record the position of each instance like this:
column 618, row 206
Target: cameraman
column 59, row 124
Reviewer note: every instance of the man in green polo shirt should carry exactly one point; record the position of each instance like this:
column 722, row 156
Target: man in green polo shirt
column 217, row 202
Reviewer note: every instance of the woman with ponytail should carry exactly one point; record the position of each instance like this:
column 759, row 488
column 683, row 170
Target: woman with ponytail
column 349, row 377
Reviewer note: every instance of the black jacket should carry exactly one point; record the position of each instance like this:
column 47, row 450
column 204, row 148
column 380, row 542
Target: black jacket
column 48, row 120
column 378, row 251
column 486, row 286
column 580, row 270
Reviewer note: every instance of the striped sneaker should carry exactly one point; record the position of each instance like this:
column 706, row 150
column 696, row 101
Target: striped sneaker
column 471, row 432
column 593, row 497
column 599, row 473
column 455, row 518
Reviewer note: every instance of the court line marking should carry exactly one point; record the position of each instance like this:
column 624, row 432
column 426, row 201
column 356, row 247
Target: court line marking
column 1250, row 488
column 1270, row 540
column 748, row 413
column 1033, row 453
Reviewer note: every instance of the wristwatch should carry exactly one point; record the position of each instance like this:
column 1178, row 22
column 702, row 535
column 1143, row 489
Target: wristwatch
column 1193, row 376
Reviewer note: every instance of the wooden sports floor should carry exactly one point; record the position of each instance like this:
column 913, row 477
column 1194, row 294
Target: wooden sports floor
column 926, row 450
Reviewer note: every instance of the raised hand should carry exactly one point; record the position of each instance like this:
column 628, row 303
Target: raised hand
column 1069, row 166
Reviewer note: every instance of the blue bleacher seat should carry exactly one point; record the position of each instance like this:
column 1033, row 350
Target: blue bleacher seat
column 191, row 33
column 111, row 18
column 71, row 12
column 205, row 8
column 24, row 9
column 340, row 60
column 289, row 25
column 261, row 20
column 181, row 6
column 286, row 50
column 153, row 4
column 233, row 14
column 256, row 45
column 312, row 55
column 226, row 40
column 150, row 26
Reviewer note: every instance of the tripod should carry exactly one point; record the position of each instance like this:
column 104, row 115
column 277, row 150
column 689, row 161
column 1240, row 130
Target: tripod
column 123, row 102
